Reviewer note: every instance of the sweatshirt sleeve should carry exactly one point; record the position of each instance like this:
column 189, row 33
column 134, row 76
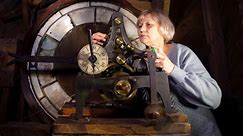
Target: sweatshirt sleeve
column 193, row 82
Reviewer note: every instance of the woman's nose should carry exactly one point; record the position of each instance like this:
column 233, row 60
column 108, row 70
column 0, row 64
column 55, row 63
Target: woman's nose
column 142, row 28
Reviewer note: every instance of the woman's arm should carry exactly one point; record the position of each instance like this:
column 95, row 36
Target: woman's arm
column 193, row 81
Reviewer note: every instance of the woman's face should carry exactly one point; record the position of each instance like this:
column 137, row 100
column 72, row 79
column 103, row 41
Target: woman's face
column 148, row 31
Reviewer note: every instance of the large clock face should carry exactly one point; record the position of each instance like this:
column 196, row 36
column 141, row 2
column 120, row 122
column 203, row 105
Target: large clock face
column 48, row 86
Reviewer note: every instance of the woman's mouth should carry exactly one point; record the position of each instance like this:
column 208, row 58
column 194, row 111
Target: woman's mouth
column 142, row 36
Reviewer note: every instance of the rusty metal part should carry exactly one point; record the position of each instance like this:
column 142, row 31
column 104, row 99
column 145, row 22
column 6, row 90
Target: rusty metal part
column 166, row 7
column 152, row 75
column 155, row 87
column 155, row 111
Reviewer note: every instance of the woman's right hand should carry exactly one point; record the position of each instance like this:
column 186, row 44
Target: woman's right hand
column 99, row 38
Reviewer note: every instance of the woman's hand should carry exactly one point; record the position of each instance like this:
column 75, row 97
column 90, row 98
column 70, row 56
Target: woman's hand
column 99, row 38
column 163, row 61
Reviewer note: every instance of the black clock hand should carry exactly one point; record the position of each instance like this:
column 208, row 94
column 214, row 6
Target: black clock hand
column 92, row 57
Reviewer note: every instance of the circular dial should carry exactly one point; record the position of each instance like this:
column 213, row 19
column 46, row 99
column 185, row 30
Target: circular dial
column 100, row 63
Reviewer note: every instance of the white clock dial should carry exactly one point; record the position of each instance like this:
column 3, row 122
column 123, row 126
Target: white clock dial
column 100, row 64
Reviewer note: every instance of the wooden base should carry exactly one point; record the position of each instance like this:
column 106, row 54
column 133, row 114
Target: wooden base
column 176, row 125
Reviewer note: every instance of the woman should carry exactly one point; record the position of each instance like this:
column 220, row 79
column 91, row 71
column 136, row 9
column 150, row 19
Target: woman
column 193, row 91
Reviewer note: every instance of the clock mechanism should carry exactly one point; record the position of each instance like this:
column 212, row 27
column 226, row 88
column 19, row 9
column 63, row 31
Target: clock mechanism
column 135, row 75
column 64, row 66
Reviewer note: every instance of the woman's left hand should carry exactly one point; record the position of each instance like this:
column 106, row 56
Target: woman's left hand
column 163, row 61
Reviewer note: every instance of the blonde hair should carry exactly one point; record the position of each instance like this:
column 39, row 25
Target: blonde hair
column 167, row 28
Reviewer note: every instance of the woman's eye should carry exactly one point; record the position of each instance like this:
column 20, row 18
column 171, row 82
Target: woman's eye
column 149, row 25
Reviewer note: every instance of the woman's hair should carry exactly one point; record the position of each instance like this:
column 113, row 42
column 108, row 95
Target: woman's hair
column 167, row 28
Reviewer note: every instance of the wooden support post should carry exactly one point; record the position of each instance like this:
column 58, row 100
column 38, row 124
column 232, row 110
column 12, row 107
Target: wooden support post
column 26, row 13
column 162, row 4
column 157, row 4
column 166, row 7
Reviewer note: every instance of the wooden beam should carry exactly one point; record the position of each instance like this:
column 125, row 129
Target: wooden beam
column 26, row 13
column 140, row 5
column 162, row 4
column 121, row 126
column 157, row 4
column 166, row 7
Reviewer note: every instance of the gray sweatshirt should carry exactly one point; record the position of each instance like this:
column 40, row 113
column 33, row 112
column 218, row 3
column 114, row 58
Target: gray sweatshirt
column 193, row 90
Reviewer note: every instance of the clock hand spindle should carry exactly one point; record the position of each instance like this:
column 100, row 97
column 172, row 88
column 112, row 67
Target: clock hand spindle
column 92, row 57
